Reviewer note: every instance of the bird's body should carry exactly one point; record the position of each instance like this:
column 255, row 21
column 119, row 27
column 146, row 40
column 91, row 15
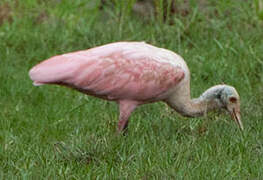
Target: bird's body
column 130, row 73
column 119, row 71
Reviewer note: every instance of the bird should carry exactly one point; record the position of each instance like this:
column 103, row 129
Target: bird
column 134, row 73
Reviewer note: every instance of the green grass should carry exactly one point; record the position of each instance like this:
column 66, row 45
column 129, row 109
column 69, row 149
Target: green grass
column 53, row 132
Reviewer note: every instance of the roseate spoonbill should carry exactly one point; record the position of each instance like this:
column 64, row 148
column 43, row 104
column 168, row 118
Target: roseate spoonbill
column 132, row 74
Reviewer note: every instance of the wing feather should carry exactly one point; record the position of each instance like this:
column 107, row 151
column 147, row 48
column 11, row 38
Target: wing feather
column 114, row 71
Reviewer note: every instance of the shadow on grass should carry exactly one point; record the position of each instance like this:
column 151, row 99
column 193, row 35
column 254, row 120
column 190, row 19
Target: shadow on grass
column 66, row 154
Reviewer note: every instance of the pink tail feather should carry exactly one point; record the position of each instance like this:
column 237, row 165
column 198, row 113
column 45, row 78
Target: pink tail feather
column 52, row 71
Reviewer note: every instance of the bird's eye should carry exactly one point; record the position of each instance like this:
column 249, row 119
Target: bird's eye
column 233, row 99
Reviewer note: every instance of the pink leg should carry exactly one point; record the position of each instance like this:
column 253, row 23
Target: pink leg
column 126, row 107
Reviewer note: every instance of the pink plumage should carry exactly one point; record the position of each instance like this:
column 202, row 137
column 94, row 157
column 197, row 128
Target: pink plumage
column 130, row 73
column 114, row 72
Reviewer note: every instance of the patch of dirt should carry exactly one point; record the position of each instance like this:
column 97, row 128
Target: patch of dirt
column 42, row 17
column 5, row 13
column 144, row 8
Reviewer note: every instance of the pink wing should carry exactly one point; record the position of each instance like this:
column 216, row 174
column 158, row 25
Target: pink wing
column 114, row 72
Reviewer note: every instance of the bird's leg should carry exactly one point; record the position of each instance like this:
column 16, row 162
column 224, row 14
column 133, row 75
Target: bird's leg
column 126, row 107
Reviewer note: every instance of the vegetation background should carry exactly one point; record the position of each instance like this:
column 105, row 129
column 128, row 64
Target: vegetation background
column 52, row 132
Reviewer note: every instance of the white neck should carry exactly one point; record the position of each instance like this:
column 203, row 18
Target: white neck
column 183, row 104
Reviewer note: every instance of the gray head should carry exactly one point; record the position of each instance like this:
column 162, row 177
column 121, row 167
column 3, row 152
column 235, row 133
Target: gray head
column 226, row 97
column 230, row 100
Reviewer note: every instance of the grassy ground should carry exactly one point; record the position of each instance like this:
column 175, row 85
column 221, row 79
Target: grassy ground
column 54, row 132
